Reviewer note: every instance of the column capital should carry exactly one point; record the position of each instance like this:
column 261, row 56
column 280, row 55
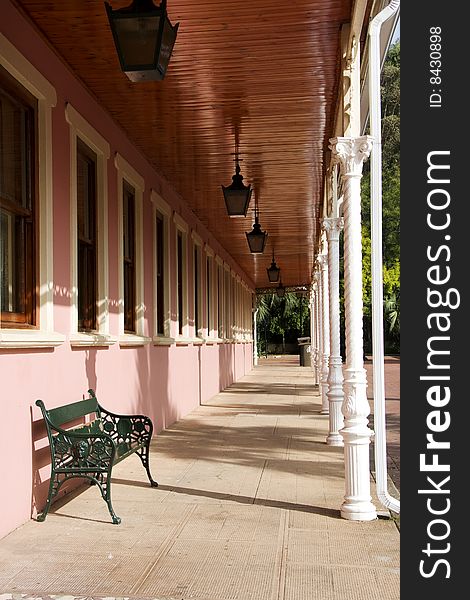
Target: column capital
column 350, row 153
column 333, row 227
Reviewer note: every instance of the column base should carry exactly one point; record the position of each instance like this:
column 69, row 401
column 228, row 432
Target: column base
column 334, row 439
column 358, row 511
column 324, row 411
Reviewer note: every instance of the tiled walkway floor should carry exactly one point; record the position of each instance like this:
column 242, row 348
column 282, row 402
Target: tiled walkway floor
column 247, row 509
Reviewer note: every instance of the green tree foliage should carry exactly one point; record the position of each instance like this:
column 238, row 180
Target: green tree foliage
column 283, row 319
column 390, row 91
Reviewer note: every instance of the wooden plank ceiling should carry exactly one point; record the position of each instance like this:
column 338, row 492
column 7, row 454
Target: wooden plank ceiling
column 267, row 68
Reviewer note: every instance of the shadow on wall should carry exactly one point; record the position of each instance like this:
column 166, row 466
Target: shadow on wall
column 90, row 367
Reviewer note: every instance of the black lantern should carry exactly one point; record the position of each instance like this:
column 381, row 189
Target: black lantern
column 273, row 271
column 256, row 238
column 237, row 195
column 144, row 39
column 280, row 290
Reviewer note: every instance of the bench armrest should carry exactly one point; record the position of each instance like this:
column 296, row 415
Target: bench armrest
column 135, row 429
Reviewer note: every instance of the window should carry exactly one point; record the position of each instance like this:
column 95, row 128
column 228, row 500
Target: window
column 86, row 237
column 228, row 303
column 197, row 289
column 161, row 268
column 130, row 255
column 182, row 310
column 89, row 154
column 199, row 273
column 180, row 286
column 209, row 309
column 129, row 270
column 33, row 328
column 18, row 212
column 220, row 301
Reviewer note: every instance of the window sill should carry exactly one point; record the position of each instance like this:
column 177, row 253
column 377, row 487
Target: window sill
column 30, row 338
column 159, row 340
column 213, row 340
column 128, row 340
column 82, row 339
column 186, row 341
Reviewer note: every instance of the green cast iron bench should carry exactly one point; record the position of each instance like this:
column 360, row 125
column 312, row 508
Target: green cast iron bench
column 90, row 450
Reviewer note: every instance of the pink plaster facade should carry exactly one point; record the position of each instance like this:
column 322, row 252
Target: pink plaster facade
column 146, row 379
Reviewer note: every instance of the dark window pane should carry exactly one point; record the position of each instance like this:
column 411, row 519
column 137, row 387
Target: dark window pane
column 86, row 236
column 180, row 283
column 209, row 293
column 129, row 257
column 160, row 275
column 196, row 290
column 220, row 287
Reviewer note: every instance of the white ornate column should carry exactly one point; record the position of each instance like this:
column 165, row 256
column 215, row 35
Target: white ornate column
column 255, row 336
column 313, row 334
column 325, row 321
column 317, row 278
column 332, row 228
column 350, row 153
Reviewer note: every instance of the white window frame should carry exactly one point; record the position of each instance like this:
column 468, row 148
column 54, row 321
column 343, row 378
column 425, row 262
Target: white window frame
column 228, row 335
column 81, row 129
column 237, row 307
column 211, row 332
column 198, row 243
column 182, row 227
column 220, row 287
column 30, row 78
column 160, row 206
column 125, row 172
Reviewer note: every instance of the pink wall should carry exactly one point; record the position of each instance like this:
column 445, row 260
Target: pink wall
column 145, row 379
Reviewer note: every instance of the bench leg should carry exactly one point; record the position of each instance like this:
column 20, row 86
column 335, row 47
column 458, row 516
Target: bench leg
column 144, row 457
column 104, row 483
column 54, row 486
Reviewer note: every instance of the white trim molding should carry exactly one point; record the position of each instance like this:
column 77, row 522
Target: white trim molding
column 30, row 78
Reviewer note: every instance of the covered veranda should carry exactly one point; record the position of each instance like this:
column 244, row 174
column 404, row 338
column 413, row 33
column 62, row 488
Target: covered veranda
column 246, row 508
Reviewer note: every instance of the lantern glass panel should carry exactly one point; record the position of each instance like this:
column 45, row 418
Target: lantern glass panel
column 273, row 274
column 137, row 38
column 237, row 201
column 256, row 242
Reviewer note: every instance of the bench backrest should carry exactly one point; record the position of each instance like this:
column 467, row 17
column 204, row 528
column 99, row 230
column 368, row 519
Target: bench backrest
column 70, row 412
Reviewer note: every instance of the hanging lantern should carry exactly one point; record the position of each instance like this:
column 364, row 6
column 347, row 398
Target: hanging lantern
column 273, row 271
column 280, row 290
column 237, row 195
column 144, row 39
column 256, row 238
